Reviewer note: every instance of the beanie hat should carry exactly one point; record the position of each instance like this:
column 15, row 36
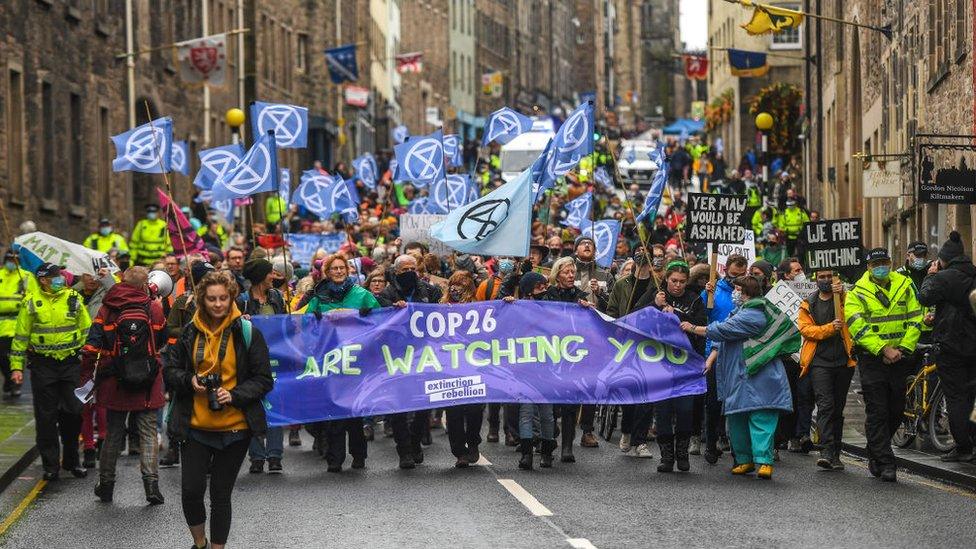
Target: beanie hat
column 952, row 248
column 764, row 266
column 200, row 269
column 257, row 270
column 529, row 281
column 583, row 237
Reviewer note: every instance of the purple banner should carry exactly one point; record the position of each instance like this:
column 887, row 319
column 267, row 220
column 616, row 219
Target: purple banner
column 433, row 356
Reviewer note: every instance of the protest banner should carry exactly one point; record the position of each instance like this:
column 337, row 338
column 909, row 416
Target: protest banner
column 746, row 248
column 416, row 228
column 427, row 356
column 37, row 248
column 785, row 298
column 303, row 246
column 716, row 218
column 832, row 245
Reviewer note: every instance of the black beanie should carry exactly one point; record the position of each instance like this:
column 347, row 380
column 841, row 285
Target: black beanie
column 256, row 270
column 952, row 248
column 528, row 283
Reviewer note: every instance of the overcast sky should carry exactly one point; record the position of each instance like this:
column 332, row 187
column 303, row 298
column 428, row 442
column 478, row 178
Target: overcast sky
column 694, row 24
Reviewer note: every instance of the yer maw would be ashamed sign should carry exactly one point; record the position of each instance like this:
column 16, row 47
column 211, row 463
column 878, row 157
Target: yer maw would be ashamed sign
column 716, row 218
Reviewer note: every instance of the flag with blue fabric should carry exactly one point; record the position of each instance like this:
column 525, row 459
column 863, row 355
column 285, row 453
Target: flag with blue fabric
column 342, row 64
column 572, row 142
column 451, row 192
column 365, row 169
column 603, row 178
column 324, row 195
column 504, row 125
column 256, row 173
column 578, row 210
column 604, row 234
column 658, row 182
column 284, row 185
column 498, row 223
column 421, row 159
column 178, row 158
column 423, row 205
column 145, row 149
column 289, row 123
column 399, row 134
column 452, row 150
column 216, row 163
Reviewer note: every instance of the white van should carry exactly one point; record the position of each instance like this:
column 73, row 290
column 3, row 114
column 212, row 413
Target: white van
column 519, row 153
column 634, row 163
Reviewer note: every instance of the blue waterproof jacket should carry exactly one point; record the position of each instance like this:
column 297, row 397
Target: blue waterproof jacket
column 723, row 306
column 738, row 391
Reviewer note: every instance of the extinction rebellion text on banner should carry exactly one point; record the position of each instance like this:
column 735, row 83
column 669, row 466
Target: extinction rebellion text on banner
column 716, row 218
column 423, row 356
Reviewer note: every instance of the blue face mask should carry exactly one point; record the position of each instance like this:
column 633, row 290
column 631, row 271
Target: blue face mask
column 105, row 231
column 506, row 266
column 918, row 263
column 881, row 273
column 10, row 266
column 57, row 283
column 151, row 216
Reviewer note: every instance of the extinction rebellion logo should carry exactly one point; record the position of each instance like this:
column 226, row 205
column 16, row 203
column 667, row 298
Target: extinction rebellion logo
column 455, row 388
column 482, row 219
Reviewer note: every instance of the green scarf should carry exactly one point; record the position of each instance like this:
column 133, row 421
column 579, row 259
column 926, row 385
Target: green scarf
column 780, row 337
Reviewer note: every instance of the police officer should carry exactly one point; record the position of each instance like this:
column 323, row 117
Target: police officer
column 150, row 239
column 916, row 267
column 883, row 314
column 106, row 239
column 51, row 328
column 15, row 283
column 791, row 222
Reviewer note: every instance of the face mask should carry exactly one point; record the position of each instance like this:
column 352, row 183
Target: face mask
column 737, row 299
column 105, row 231
column 918, row 264
column 825, row 286
column 657, row 262
column 10, row 266
column 151, row 216
column 640, row 258
column 800, row 277
column 57, row 283
column 456, row 294
column 506, row 266
column 881, row 273
column 278, row 282
column 407, row 280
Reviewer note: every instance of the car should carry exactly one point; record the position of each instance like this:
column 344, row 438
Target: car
column 634, row 164
column 519, row 153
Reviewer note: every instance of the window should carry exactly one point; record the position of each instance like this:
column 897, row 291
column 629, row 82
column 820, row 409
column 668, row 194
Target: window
column 75, row 175
column 47, row 142
column 787, row 39
column 15, row 133
column 960, row 29
column 103, row 162
column 301, row 61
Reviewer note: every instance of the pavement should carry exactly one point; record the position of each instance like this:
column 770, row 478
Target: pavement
column 604, row 500
column 17, row 449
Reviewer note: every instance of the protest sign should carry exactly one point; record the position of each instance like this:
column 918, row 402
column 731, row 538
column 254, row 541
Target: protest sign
column 416, row 228
column 37, row 248
column 716, row 218
column 746, row 248
column 427, row 356
column 833, row 244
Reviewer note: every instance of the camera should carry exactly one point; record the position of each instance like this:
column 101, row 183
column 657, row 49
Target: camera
column 211, row 382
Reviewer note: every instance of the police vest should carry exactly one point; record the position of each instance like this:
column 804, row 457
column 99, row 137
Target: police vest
column 274, row 209
column 150, row 241
column 879, row 316
column 793, row 220
column 105, row 244
column 13, row 287
column 53, row 325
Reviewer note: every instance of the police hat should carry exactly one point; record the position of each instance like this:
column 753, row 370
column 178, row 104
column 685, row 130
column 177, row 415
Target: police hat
column 48, row 269
column 10, row 255
column 918, row 248
column 104, row 222
column 151, row 208
column 877, row 254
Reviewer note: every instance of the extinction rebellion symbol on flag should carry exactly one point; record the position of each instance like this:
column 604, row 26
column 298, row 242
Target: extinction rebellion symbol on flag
column 483, row 218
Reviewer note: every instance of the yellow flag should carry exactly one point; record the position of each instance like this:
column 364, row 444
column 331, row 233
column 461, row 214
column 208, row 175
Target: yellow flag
column 766, row 18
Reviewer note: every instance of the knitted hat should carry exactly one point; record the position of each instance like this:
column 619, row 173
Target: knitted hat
column 583, row 237
column 952, row 248
column 257, row 270
column 529, row 281
column 764, row 266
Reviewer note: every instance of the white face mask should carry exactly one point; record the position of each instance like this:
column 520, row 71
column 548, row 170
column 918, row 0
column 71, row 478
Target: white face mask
column 800, row 277
column 737, row 298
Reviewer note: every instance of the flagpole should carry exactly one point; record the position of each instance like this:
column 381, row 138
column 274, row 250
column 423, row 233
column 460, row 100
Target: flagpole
column 175, row 45
column 630, row 207
column 768, row 54
column 284, row 248
column 886, row 30
column 205, row 21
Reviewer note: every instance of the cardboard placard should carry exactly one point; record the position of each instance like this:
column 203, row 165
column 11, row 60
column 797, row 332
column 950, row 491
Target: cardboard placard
column 833, row 244
column 416, row 228
column 716, row 218
column 747, row 248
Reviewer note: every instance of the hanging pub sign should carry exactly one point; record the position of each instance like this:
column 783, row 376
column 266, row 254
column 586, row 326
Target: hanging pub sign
column 882, row 179
column 946, row 169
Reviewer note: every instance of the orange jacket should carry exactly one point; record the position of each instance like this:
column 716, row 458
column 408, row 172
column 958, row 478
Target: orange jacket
column 813, row 334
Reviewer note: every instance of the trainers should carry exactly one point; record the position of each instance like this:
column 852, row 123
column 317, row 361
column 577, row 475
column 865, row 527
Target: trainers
column 824, row 461
column 724, row 444
column 712, row 455
column 588, row 440
column 625, row 443
column 461, row 462
column 170, row 459
column 743, row 469
column 888, row 475
column 257, row 466
column 956, row 455
column 643, row 451
column 765, row 471
column 104, row 491
column 274, row 466
column 694, row 447
column 406, row 462
column 294, row 438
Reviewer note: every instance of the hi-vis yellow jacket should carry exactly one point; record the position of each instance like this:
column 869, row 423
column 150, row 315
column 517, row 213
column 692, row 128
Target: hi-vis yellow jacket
column 50, row 324
column 879, row 316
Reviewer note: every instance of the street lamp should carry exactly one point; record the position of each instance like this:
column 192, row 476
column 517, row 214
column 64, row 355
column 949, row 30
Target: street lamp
column 235, row 119
column 764, row 123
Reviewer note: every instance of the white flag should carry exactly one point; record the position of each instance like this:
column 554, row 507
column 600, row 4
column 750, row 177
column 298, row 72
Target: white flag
column 203, row 59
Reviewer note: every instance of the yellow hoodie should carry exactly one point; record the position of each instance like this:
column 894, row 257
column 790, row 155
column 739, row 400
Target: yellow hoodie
column 230, row 418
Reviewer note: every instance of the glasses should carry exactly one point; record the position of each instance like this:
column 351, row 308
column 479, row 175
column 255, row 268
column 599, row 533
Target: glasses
column 337, row 268
column 378, row 281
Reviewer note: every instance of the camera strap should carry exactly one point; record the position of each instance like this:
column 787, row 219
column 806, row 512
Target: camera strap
column 221, row 351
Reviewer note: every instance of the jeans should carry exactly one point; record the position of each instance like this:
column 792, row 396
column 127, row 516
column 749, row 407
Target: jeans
column 336, row 433
column 272, row 445
column 752, row 435
column 958, row 375
column 464, row 428
column 223, row 466
column 115, row 442
column 674, row 417
column 511, row 417
column 884, row 405
column 56, row 410
column 830, row 386
column 547, row 423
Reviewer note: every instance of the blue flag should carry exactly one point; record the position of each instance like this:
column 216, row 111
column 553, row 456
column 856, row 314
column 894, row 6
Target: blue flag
column 421, row 159
column 400, row 134
column 145, row 149
column 366, row 171
column 353, row 192
column 498, row 223
column 451, row 192
column 601, row 176
column 224, row 207
column 289, row 123
column 630, row 155
column 604, row 234
column 453, row 150
column 504, row 125
column 216, row 163
column 542, row 180
column 256, row 173
column 179, row 158
column 324, row 195
column 423, row 205
column 284, row 184
column 578, row 210
column 572, row 142
column 342, row 64
column 658, row 182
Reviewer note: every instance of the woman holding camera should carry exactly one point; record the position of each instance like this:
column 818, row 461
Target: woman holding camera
column 217, row 373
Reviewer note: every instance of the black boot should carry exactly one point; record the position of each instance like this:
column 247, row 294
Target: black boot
column 566, row 454
column 545, row 460
column 104, row 491
column 525, row 447
column 681, row 452
column 666, row 444
column 153, row 495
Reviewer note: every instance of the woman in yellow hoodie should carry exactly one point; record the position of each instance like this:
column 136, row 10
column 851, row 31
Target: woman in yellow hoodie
column 217, row 373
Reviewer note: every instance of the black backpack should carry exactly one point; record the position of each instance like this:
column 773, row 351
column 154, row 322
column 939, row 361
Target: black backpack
column 135, row 350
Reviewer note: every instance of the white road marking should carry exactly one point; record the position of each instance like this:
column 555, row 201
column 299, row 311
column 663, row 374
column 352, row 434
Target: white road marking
column 528, row 500
column 580, row 543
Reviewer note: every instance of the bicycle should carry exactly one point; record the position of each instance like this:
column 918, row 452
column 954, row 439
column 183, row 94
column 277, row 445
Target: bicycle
column 925, row 407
